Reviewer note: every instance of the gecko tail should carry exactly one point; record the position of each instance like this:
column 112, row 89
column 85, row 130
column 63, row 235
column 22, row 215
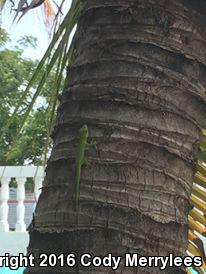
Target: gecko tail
column 77, row 201
column 77, row 205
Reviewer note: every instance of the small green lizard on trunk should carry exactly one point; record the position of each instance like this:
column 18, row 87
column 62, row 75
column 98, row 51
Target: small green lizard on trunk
column 80, row 160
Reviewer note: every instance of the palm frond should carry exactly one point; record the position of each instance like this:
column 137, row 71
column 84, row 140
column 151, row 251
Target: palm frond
column 48, row 13
column 197, row 217
column 58, row 53
column 21, row 7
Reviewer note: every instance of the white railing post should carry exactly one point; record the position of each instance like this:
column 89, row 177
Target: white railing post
column 37, row 187
column 20, row 225
column 4, row 208
column 20, row 173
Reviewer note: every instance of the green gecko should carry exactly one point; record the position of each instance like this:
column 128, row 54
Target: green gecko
column 80, row 159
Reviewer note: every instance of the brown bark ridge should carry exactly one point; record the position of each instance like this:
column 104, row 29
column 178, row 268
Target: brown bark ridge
column 138, row 82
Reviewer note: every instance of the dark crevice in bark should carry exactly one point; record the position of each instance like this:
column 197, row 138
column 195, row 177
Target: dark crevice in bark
column 174, row 26
column 103, row 69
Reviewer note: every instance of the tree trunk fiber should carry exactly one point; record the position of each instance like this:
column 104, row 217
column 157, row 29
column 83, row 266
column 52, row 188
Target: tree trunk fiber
column 138, row 81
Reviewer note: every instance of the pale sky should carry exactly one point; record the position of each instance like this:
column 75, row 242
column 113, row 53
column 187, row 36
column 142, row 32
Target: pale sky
column 31, row 24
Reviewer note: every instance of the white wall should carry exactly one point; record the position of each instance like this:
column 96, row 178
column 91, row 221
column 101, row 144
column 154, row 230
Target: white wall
column 13, row 243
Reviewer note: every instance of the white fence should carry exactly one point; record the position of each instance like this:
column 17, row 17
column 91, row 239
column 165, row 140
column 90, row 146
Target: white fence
column 20, row 173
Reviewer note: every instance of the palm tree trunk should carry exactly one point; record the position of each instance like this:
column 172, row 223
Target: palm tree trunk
column 138, row 82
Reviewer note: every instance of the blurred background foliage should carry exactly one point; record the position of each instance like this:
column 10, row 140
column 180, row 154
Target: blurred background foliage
column 15, row 73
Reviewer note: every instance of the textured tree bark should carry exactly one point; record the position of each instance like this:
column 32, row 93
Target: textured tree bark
column 138, row 82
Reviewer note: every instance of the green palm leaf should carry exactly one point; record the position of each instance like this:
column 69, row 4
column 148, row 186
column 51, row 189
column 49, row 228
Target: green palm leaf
column 58, row 53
